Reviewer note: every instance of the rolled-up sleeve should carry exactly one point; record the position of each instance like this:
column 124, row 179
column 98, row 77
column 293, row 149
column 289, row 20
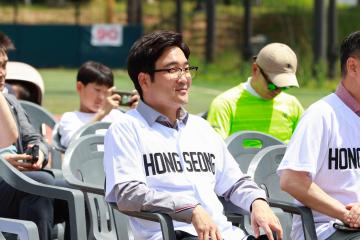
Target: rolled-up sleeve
column 244, row 192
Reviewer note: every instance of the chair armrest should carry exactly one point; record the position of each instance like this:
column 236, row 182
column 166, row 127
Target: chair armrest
column 232, row 212
column 58, row 147
column 57, row 173
column 26, row 230
column 305, row 213
column 74, row 198
column 165, row 221
column 84, row 187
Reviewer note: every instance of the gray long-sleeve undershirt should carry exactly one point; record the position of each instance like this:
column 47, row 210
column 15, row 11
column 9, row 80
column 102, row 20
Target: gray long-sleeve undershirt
column 136, row 196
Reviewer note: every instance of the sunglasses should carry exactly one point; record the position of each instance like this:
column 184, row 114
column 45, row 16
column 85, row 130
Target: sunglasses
column 270, row 85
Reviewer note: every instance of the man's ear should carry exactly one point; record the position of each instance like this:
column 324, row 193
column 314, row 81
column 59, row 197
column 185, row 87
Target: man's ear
column 144, row 80
column 351, row 66
column 254, row 69
column 79, row 86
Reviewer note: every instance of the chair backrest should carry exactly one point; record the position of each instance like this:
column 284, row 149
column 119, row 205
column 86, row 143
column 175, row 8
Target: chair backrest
column 25, row 230
column 98, row 128
column 42, row 120
column 82, row 163
column 238, row 146
column 74, row 198
column 263, row 170
column 39, row 116
column 83, row 169
column 56, row 139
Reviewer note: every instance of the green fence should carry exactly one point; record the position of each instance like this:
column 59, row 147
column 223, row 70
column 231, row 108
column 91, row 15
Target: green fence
column 66, row 45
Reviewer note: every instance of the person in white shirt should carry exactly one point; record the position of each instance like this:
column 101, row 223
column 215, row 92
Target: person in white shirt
column 95, row 86
column 321, row 166
column 158, row 157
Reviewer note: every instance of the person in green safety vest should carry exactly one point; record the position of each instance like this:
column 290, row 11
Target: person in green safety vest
column 260, row 103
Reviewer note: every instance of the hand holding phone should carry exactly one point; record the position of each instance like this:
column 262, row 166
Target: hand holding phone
column 125, row 98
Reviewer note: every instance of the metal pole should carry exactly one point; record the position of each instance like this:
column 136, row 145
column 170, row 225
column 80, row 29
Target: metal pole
column 332, row 34
column 179, row 16
column 210, row 31
column 247, row 51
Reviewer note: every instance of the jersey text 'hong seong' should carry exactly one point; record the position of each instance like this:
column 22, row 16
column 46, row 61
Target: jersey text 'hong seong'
column 161, row 162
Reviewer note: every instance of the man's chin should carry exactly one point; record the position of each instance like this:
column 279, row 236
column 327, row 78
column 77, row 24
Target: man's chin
column 184, row 101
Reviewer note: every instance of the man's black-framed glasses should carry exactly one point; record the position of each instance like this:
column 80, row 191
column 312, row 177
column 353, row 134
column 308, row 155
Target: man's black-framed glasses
column 177, row 72
column 270, row 85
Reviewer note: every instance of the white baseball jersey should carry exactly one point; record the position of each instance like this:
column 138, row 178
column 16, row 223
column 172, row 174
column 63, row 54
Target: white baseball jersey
column 191, row 162
column 326, row 143
column 70, row 122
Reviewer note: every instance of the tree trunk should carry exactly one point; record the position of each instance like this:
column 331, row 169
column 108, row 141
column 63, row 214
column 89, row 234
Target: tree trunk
column 110, row 11
column 134, row 12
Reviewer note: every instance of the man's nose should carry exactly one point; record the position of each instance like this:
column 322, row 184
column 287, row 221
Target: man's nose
column 2, row 71
column 183, row 77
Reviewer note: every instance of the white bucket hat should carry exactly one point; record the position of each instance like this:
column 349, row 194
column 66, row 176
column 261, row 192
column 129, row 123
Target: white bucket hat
column 22, row 72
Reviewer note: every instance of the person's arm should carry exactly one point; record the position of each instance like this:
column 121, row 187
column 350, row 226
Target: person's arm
column 28, row 135
column 299, row 185
column 247, row 195
column 111, row 102
column 263, row 217
column 8, row 129
column 136, row 196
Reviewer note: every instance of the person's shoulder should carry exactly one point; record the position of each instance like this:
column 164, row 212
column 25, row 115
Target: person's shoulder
column 69, row 115
column 197, row 121
column 325, row 102
column 231, row 93
column 197, row 118
column 131, row 117
column 75, row 117
column 11, row 98
column 227, row 98
column 324, row 107
column 114, row 115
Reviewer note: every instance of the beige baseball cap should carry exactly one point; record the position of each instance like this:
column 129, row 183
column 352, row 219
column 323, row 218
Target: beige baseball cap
column 279, row 62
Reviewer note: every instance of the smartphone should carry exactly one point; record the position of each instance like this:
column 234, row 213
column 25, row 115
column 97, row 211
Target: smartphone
column 125, row 98
column 344, row 227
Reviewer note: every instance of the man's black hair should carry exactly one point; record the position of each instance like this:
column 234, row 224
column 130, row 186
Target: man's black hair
column 350, row 47
column 94, row 72
column 148, row 49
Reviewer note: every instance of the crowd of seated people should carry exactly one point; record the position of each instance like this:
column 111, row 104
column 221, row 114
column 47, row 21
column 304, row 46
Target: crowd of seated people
column 322, row 142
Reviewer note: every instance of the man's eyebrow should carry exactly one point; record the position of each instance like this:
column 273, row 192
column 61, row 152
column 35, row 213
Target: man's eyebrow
column 175, row 63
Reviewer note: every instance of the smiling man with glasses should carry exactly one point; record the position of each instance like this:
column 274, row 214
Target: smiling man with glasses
column 259, row 104
column 160, row 158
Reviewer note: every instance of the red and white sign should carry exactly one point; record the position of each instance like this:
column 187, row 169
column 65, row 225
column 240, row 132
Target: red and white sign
column 107, row 35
